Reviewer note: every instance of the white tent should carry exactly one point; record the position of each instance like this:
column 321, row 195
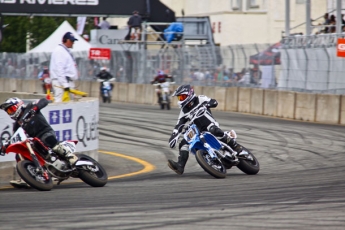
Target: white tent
column 48, row 45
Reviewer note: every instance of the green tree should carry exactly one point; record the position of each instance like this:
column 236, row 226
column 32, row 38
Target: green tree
column 15, row 35
column 42, row 27
column 23, row 30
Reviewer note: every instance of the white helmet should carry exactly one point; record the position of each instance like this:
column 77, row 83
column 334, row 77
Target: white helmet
column 185, row 94
column 13, row 107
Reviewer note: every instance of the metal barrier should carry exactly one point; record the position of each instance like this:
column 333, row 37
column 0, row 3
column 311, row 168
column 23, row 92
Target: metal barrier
column 298, row 63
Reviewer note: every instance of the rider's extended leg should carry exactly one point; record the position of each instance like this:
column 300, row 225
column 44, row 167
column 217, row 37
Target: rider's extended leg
column 178, row 166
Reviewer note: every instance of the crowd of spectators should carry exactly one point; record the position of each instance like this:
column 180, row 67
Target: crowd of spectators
column 329, row 24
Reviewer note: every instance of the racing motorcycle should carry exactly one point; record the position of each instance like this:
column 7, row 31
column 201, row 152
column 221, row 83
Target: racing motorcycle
column 39, row 164
column 164, row 98
column 106, row 89
column 213, row 155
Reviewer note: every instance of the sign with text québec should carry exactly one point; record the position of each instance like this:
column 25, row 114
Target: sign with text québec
column 341, row 47
column 70, row 121
column 100, row 53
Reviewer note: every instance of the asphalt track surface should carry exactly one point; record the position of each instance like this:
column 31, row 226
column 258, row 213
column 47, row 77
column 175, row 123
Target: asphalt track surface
column 301, row 184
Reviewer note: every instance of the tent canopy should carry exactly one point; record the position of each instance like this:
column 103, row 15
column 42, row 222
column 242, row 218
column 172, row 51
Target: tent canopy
column 48, row 45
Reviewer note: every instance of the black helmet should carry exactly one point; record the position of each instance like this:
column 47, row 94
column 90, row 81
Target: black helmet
column 185, row 94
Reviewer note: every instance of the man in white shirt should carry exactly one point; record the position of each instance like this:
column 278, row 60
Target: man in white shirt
column 63, row 68
column 104, row 25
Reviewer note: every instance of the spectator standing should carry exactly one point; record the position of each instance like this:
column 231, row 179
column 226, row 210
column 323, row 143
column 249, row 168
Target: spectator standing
column 134, row 22
column 63, row 68
column 326, row 23
column 104, row 25
column 332, row 22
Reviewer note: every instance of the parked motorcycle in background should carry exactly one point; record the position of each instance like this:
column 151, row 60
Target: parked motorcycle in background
column 163, row 93
column 39, row 164
column 106, row 89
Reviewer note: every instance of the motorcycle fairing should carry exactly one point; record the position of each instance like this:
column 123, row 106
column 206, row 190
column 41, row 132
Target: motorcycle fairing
column 212, row 140
column 193, row 138
column 21, row 148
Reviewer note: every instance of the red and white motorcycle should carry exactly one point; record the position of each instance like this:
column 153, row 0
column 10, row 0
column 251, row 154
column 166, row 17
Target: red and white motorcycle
column 39, row 164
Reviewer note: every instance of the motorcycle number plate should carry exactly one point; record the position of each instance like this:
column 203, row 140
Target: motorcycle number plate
column 190, row 134
column 18, row 136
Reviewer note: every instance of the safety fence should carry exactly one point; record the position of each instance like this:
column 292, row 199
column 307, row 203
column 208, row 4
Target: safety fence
column 306, row 64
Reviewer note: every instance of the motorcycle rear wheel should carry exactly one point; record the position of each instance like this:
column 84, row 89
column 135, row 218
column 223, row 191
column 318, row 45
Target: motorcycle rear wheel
column 250, row 167
column 93, row 176
column 206, row 163
column 27, row 171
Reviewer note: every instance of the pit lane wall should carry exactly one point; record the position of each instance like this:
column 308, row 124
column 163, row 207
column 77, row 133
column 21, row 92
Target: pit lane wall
column 76, row 120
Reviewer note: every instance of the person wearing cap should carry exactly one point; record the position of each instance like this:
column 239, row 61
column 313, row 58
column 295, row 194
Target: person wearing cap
column 63, row 68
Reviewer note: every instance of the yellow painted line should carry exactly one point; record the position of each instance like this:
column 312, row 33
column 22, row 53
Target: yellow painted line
column 147, row 166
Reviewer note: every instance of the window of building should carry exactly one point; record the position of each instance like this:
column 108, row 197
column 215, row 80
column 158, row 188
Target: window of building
column 236, row 4
column 252, row 4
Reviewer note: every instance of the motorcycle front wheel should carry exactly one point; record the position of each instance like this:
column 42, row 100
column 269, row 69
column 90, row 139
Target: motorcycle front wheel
column 39, row 180
column 213, row 167
column 94, row 175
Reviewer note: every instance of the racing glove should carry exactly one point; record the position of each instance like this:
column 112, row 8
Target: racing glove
column 33, row 110
column 173, row 138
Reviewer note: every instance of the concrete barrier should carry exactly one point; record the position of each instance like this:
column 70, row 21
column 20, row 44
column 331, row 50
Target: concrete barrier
column 231, row 99
column 149, row 94
column 132, row 92
column 123, row 92
column 342, row 110
column 305, row 106
column 257, row 101
column 174, row 99
column 270, row 102
column 198, row 90
column 115, row 92
column 9, row 84
column 2, row 85
column 328, row 108
column 286, row 104
column 244, row 100
column 95, row 92
column 139, row 91
column 220, row 96
column 84, row 86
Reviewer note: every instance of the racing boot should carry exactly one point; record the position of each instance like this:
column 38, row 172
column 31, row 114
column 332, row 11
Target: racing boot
column 65, row 152
column 230, row 139
column 178, row 166
column 235, row 146
column 19, row 183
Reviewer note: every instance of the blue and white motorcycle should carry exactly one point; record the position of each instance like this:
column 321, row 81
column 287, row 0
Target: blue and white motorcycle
column 214, row 156
column 106, row 89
